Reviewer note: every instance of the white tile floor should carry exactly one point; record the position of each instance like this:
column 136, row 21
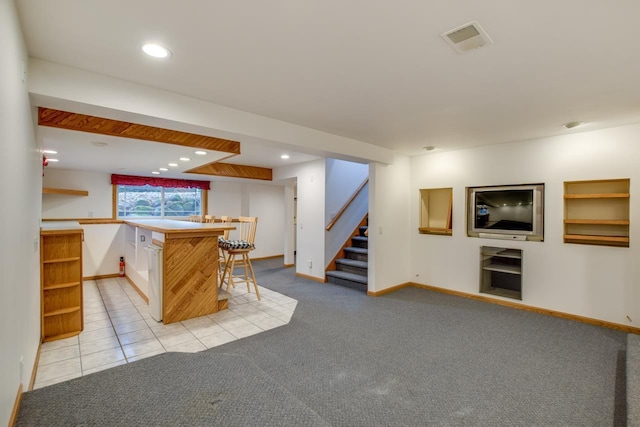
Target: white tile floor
column 118, row 329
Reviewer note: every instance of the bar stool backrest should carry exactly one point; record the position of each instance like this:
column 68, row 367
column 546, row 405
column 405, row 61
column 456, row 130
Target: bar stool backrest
column 225, row 221
column 247, row 228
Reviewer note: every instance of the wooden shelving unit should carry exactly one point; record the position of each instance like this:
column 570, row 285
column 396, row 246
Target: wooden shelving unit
column 435, row 211
column 65, row 192
column 501, row 272
column 596, row 212
column 61, row 280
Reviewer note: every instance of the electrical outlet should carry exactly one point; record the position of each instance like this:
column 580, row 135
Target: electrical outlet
column 310, row 263
column 142, row 238
column 21, row 367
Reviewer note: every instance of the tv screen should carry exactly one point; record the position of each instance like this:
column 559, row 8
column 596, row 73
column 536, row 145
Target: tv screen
column 514, row 212
column 504, row 210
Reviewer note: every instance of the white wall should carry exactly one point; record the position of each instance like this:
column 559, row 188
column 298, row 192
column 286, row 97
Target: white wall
column 21, row 181
column 390, row 227
column 96, row 205
column 267, row 203
column 310, row 214
column 225, row 199
column 591, row 281
column 103, row 246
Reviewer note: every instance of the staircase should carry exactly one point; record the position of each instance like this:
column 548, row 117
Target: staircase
column 351, row 271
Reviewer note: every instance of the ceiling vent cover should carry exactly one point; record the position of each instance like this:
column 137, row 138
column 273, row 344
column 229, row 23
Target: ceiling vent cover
column 467, row 37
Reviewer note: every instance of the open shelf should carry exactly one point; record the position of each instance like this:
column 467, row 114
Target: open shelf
column 62, row 311
column 65, row 192
column 435, row 211
column 61, row 286
column 501, row 272
column 58, row 260
column 503, row 268
column 61, row 280
column 596, row 212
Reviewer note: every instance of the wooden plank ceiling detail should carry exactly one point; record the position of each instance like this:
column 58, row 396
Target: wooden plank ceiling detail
column 234, row 171
column 84, row 123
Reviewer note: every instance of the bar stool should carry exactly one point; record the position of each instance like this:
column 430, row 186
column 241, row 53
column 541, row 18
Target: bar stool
column 225, row 221
column 209, row 218
column 237, row 255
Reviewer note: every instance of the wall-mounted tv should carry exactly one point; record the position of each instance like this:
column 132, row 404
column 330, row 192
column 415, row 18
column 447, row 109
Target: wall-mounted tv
column 512, row 212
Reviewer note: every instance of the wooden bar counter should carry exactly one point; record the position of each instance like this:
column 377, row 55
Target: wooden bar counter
column 189, row 266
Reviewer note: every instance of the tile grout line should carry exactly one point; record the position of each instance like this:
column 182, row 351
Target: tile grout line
column 111, row 321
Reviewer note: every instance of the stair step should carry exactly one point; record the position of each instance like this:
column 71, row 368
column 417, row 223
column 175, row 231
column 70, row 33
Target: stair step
column 343, row 275
column 360, row 254
column 360, row 241
column 356, row 250
column 352, row 262
column 354, row 266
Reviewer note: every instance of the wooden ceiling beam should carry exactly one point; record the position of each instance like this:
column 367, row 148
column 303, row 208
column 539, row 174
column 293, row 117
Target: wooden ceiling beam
column 234, row 171
column 84, row 123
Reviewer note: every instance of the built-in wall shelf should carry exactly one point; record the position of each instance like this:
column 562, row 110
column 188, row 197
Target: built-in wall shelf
column 435, row 211
column 596, row 212
column 501, row 272
column 64, row 191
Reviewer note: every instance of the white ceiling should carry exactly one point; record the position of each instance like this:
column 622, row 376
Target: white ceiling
column 375, row 71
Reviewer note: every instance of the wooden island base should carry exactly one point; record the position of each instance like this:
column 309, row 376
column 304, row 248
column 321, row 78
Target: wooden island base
column 189, row 267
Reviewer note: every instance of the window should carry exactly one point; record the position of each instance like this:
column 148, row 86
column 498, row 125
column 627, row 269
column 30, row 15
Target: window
column 158, row 197
column 146, row 200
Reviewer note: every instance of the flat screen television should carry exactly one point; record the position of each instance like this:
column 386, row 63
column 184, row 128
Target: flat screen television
column 512, row 212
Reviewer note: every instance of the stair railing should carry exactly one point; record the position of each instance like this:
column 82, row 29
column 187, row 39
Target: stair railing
column 346, row 205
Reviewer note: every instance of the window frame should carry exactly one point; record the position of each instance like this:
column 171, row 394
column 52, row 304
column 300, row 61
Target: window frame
column 204, row 208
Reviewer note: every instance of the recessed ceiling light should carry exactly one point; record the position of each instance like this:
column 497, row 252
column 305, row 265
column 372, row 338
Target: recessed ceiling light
column 163, row 169
column 284, row 156
column 185, row 159
column 52, row 160
column 572, row 125
column 429, row 148
column 155, row 173
column 50, row 151
column 99, row 143
column 201, row 153
column 156, row 50
column 173, row 165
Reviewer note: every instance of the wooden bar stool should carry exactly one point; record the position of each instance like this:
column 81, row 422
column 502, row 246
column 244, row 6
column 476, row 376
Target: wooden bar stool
column 237, row 255
column 195, row 218
column 222, row 259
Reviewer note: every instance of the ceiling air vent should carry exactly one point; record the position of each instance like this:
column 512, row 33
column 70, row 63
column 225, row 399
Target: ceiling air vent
column 467, row 37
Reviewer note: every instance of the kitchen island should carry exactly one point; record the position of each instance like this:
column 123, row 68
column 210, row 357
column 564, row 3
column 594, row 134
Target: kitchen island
column 189, row 269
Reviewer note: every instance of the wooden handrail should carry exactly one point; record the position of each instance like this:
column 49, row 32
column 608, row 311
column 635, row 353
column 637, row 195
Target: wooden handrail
column 346, row 205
